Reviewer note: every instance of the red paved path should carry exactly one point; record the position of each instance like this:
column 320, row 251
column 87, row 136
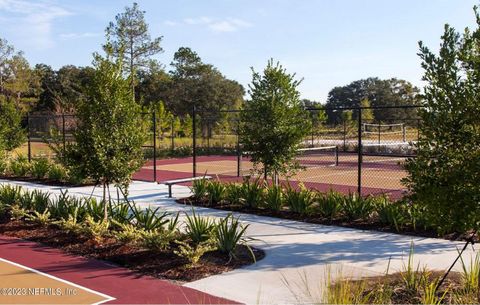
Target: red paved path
column 126, row 286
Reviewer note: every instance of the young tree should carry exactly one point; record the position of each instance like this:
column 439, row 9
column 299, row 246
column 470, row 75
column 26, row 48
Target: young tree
column 367, row 112
column 444, row 177
column 129, row 39
column 12, row 135
column 273, row 122
column 6, row 50
column 111, row 131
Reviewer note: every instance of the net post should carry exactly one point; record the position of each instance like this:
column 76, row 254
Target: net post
column 29, row 142
column 239, row 153
column 194, row 141
column 336, row 155
column 154, row 121
column 359, row 185
column 379, row 134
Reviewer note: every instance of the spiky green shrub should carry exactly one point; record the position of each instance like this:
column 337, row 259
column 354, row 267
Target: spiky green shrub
column 299, row 201
column 233, row 193
column 9, row 195
column 198, row 229
column 149, row 219
column 230, row 233
column 120, row 212
column 26, row 200
column 57, row 173
column 40, row 168
column 390, row 213
column 41, row 200
column 252, row 193
column 329, row 204
column 71, row 223
column 20, row 166
column 274, row 198
column 95, row 208
column 215, row 192
column 356, row 207
column 199, row 189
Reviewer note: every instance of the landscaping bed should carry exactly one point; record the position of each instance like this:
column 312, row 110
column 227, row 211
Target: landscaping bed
column 331, row 208
column 149, row 241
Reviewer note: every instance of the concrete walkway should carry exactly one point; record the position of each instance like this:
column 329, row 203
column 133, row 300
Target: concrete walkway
column 295, row 251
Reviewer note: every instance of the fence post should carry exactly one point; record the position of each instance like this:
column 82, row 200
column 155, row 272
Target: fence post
column 208, row 137
column 360, row 149
column 379, row 133
column 404, row 130
column 239, row 153
column 194, row 142
column 344, row 135
column 63, row 132
column 154, row 118
column 29, row 143
column 312, row 144
column 172, row 134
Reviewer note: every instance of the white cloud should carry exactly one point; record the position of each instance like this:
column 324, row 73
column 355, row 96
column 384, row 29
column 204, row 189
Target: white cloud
column 79, row 35
column 215, row 25
column 32, row 20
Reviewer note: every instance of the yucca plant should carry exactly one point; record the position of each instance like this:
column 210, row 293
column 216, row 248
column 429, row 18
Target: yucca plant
column 413, row 277
column 199, row 229
column 356, row 207
column 329, row 204
column 149, row 219
column 173, row 223
column 471, row 275
column 215, row 192
column 430, row 294
column 40, row 167
column 95, row 208
column 57, row 172
column 20, row 166
column 199, row 189
column 299, row 201
column 26, row 200
column 273, row 197
column 120, row 212
column 390, row 213
column 233, row 193
column 252, row 193
column 41, row 200
column 10, row 194
column 229, row 233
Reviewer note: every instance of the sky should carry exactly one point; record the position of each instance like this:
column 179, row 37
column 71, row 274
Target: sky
column 328, row 43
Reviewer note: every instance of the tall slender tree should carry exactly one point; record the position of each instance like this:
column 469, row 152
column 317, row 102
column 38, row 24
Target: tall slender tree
column 128, row 37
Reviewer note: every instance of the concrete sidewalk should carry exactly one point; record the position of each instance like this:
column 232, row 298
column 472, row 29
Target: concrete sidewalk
column 294, row 250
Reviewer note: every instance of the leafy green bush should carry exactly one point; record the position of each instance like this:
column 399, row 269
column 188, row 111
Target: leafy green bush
column 95, row 208
column 41, row 201
column 233, row 193
column 229, row 233
column 3, row 165
column 40, row 168
column 329, row 204
column 252, row 193
column 10, row 194
column 199, row 229
column 97, row 229
column 215, row 192
column 273, row 197
column 42, row 219
column 156, row 239
column 390, row 213
column 20, row 166
column 57, row 173
column 149, row 219
column 71, row 223
column 356, row 207
column 192, row 253
column 299, row 201
column 128, row 233
column 199, row 188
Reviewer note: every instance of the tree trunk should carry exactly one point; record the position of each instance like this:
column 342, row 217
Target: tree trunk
column 105, row 210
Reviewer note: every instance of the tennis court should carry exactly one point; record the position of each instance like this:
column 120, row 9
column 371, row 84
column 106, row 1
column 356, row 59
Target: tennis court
column 322, row 168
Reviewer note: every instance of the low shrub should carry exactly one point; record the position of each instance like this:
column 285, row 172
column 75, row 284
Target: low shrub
column 233, row 193
column 10, row 194
column 20, row 166
column 127, row 233
column 215, row 192
column 40, row 168
column 252, row 193
column 198, row 229
column 390, row 213
column 57, row 173
column 230, row 233
column 273, row 198
column 42, row 219
column 192, row 253
column 97, row 229
column 356, row 207
column 156, row 239
column 299, row 201
column 329, row 204
column 199, row 188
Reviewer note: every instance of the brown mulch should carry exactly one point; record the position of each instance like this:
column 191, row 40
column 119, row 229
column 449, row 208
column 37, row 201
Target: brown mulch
column 370, row 224
column 160, row 264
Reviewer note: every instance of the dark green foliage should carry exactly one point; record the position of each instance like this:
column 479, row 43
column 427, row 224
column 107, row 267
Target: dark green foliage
column 95, row 208
column 273, row 121
column 233, row 193
column 199, row 188
column 199, row 229
column 120, row 212
column 355, row 207
column 299, row 201
column 444, row 177
column 329, row 204
column 149, row 219
column 274, row 198
column 229, row 234
column 20, row 166
column 215, row 192
column 12, row 134
column 394, row 214
column 40, row 168
column 252, row 193
column 9, row 195
column 57, row 172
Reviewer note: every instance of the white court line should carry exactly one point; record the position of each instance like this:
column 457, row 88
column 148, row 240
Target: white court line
column 108, row 298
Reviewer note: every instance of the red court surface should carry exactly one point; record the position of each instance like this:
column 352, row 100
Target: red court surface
column 117, row 285
column 378, row 176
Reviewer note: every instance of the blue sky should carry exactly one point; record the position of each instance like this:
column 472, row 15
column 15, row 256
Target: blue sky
column 327, row 42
